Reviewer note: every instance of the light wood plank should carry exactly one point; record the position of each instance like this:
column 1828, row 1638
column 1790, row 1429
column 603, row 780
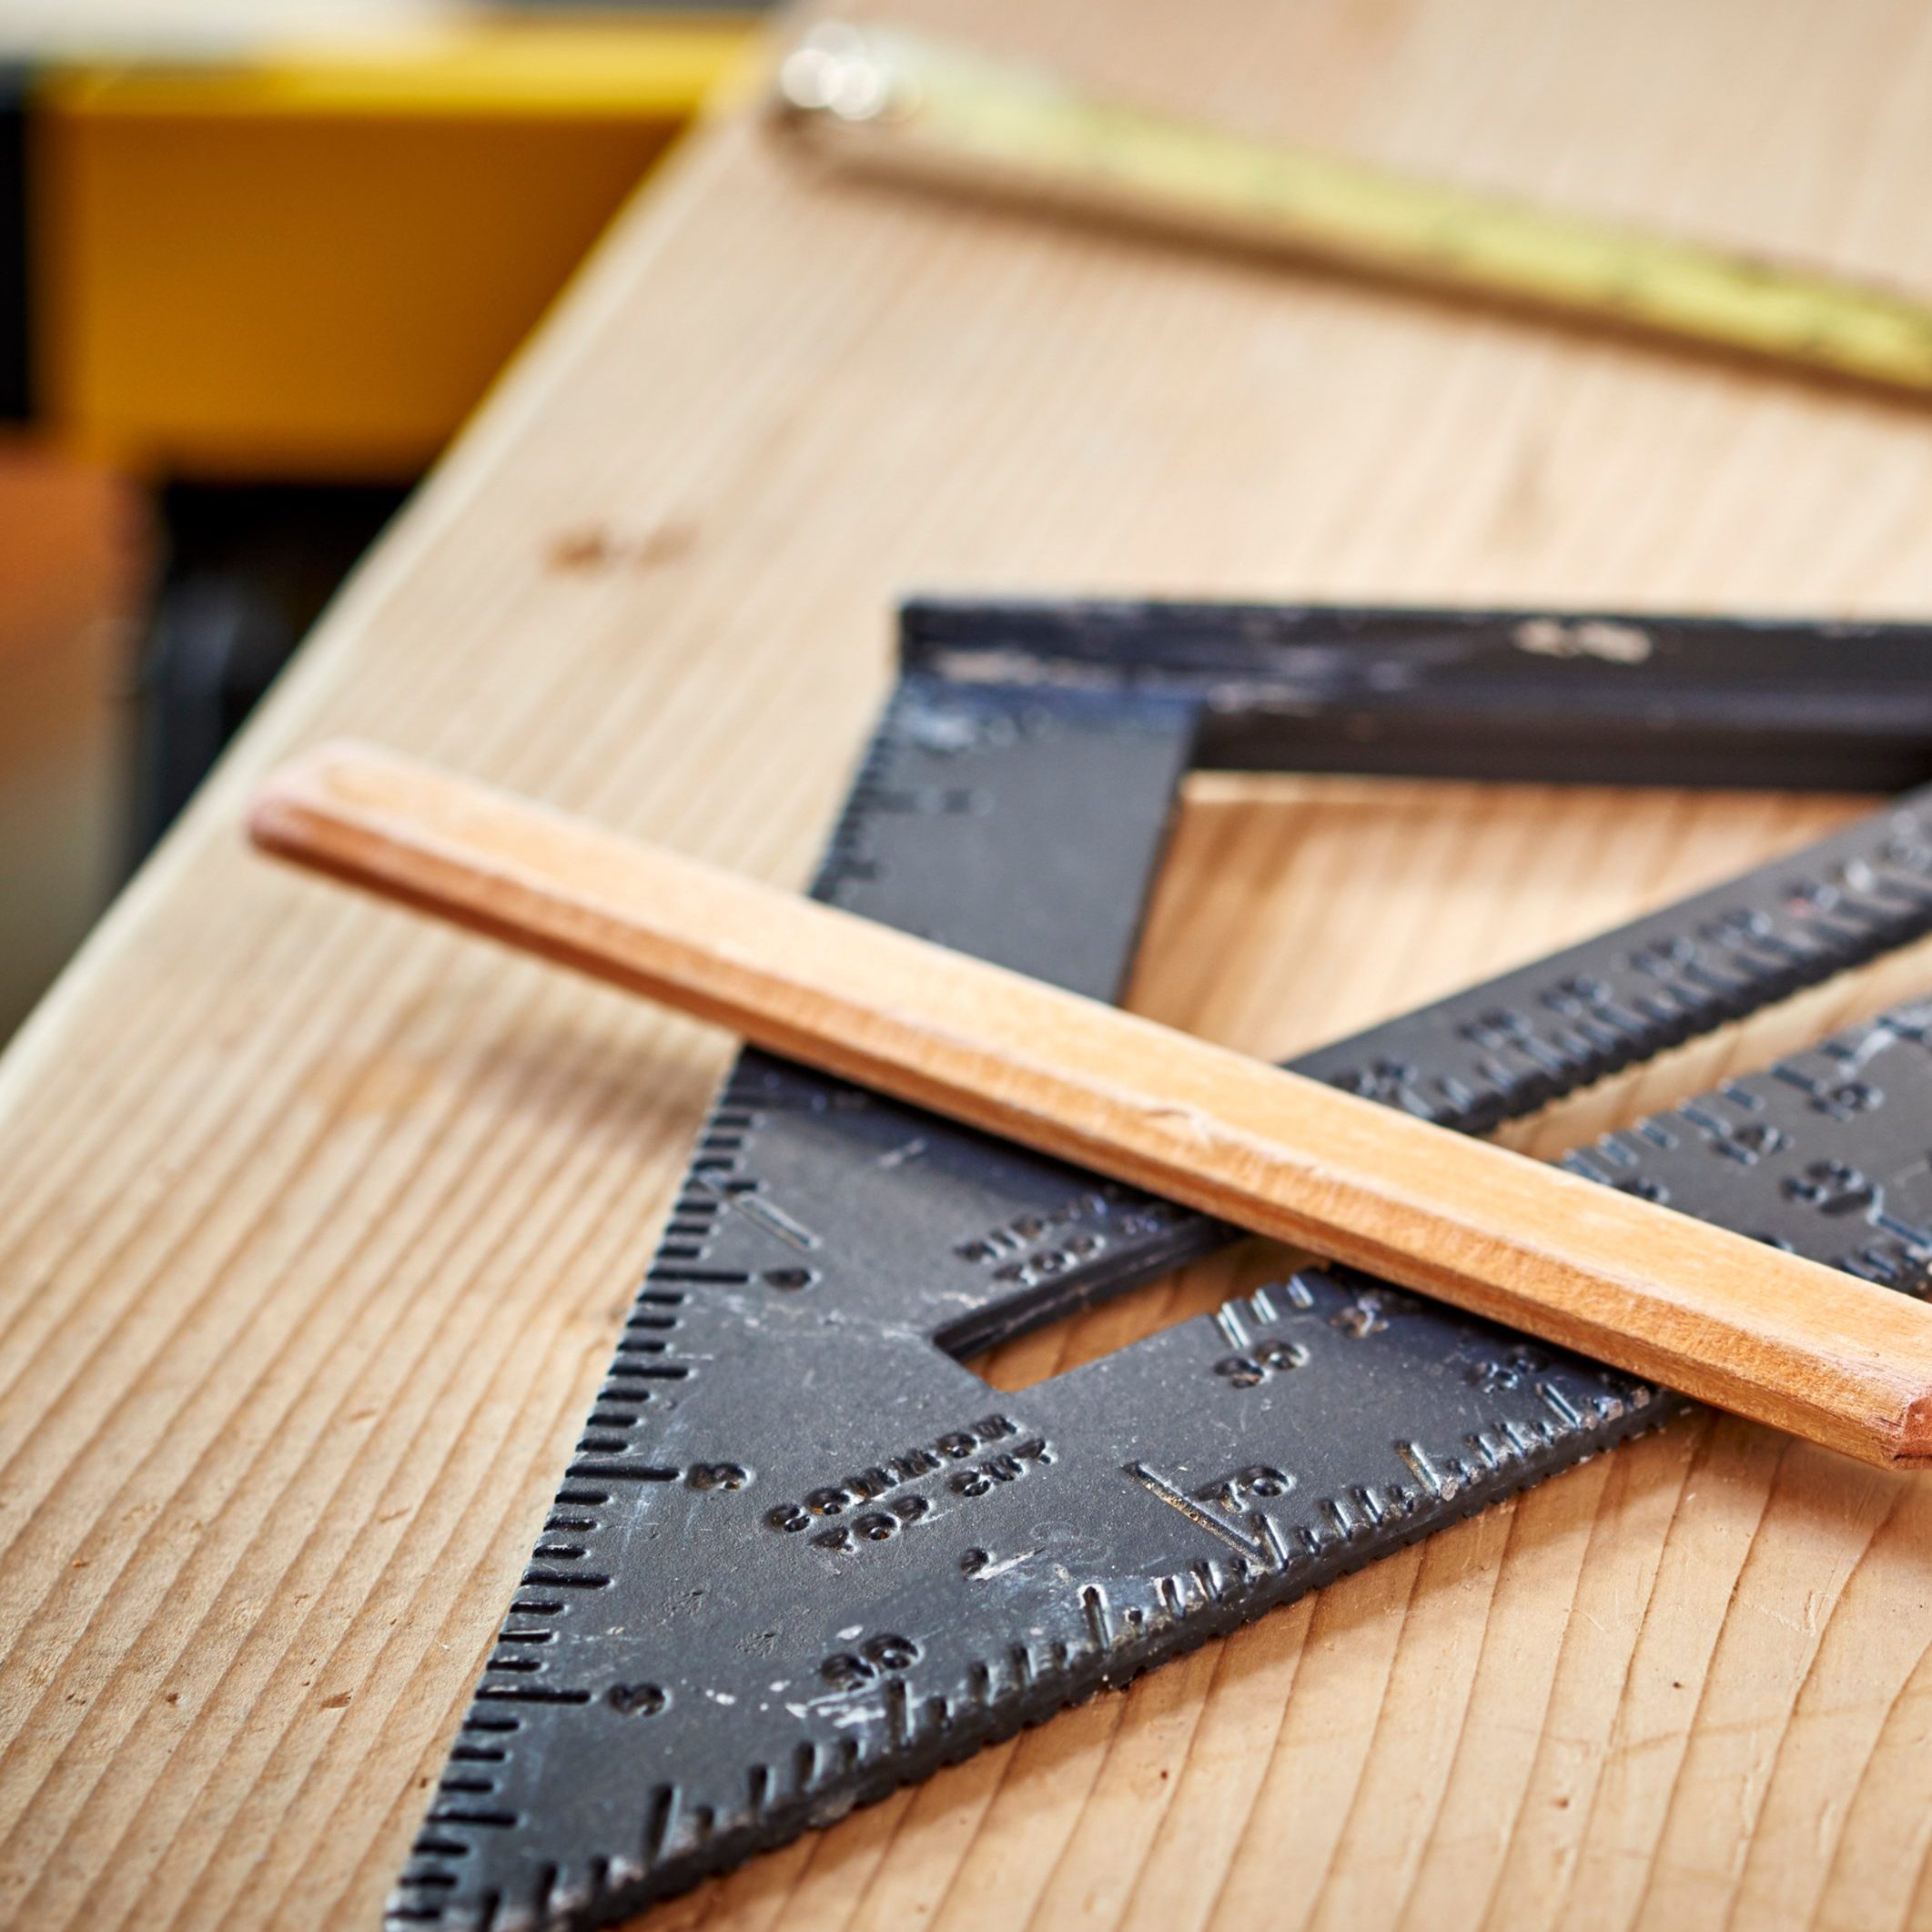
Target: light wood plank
column 315, row 1226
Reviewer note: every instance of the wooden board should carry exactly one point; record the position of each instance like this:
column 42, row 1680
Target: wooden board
column 316, row 1224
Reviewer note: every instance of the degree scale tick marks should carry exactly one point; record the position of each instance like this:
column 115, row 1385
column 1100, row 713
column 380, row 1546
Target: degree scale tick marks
column 1044, row 1595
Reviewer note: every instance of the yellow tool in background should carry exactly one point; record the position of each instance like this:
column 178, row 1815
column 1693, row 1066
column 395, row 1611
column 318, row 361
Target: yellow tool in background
column 258, row 258
column 307, row 261
column 903, row 103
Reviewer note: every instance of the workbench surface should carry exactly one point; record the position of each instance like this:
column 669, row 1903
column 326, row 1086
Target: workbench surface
column 318, row 1223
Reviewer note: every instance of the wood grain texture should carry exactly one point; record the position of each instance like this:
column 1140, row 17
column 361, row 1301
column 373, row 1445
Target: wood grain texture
column 1766, row 1335
column 315, row 1225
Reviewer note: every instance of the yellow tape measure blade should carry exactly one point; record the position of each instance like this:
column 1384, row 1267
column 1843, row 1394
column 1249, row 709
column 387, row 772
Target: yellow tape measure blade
column 910, row 105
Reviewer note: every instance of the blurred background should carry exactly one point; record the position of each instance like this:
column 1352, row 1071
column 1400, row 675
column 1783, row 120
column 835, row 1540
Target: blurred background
column 259, row 259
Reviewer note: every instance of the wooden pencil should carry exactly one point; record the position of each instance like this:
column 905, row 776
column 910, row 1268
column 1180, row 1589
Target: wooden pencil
column 1746, row 1326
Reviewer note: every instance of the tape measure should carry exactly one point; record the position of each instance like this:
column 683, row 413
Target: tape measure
column 904, row 103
